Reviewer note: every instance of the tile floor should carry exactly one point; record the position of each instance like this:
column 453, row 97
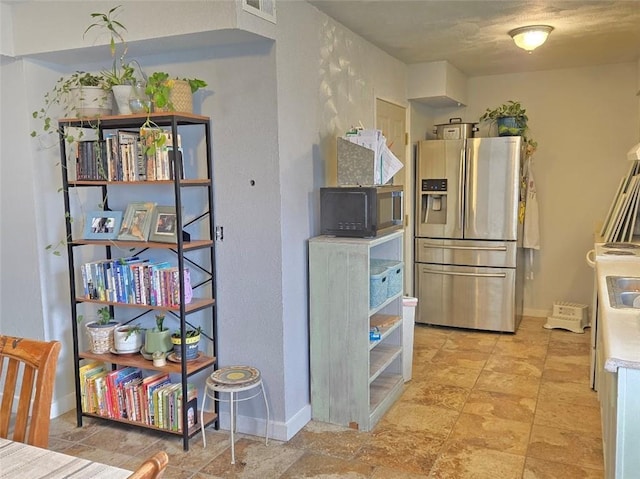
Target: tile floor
column 480, row 405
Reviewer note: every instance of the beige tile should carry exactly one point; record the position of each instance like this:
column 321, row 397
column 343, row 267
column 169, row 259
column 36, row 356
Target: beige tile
column 513, row 365
column 568, row 392
column 431, row 421
column 318, row 465
column 429, row 393
column 427, row 337
column 462, row 359
column 540, row 469
column 570, row 336
column 565, row 446
column 488, row 432
column 253, row 460
column 508, row 383
column 500, row 406
column 482, row 343
column 397, row 449
column 574, row 353
column 520, row 348
column 537, row 335
column 329, row 439
column 461, row 461
column 574, row 417
column 450, row 375
column 532, row 323
column 558, row 370
column 383, row 472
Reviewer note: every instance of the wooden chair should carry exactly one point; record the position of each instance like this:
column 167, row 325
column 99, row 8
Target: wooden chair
column 152, row 468
column 35, row 361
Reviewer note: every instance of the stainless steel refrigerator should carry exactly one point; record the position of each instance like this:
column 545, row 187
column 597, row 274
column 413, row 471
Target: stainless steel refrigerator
column 468, row 255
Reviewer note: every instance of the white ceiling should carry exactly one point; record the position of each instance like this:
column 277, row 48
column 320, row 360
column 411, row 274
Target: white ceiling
column 472, row 34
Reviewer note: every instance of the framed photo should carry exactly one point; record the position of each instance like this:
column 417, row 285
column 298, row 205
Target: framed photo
column 102, row 224
column 164, row 225
column 137, row 222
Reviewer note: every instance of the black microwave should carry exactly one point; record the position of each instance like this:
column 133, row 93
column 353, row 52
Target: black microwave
column 361, row 211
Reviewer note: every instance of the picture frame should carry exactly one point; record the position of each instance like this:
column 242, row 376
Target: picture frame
column 137, row 222
column 164, row 225
column 102, row 225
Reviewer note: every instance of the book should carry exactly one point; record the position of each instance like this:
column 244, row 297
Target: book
column 85, row 372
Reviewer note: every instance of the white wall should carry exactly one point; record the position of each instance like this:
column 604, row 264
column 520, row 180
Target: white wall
column 585, row 120
column 328, row 79
column 274, row 121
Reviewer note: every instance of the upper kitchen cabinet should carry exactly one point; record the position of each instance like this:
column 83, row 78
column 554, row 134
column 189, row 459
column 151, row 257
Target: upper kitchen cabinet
column 437, row 84
column 154, row 28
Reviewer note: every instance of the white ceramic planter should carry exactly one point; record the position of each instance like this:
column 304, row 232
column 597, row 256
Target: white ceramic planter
column 121, row 94
column 124, row 342
column 92, row 101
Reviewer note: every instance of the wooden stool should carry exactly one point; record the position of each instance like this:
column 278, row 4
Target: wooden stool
column 232, row 380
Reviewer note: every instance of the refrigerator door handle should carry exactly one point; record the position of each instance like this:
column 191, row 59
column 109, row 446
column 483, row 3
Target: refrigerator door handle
column 476, row 275
column 467, row 248
column 461, row 182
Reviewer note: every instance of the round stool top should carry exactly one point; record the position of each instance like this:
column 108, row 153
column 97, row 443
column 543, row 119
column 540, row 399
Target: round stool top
column 235, row 375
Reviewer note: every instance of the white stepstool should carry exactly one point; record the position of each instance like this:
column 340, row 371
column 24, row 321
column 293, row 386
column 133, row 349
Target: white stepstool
column 571, row 316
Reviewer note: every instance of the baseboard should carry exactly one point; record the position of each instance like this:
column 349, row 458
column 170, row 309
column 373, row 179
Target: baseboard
column 281, row 431
column 537, row 313
column 62, row 405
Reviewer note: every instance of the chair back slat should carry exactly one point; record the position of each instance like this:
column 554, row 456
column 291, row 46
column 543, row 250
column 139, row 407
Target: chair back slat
column 31, row 367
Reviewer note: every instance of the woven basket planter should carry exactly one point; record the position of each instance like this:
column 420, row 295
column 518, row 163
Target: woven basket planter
column 101, row 336
column 181, row 96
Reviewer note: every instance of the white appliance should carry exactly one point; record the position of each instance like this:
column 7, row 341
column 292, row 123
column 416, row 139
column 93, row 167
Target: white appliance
column 604, row 252
column 468, row 259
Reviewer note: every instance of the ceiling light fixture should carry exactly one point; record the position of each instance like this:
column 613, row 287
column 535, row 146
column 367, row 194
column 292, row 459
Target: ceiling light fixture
column 531, row 37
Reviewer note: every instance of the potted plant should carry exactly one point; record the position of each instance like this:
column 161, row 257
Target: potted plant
column 121, row 76
column 100, row 331
column 127, row 339
column 172, row 94
column 158, row 338
column 192, row 338
column 510, row 117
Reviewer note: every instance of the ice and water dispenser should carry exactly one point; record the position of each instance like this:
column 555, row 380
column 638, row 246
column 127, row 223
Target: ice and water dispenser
column 433, row 200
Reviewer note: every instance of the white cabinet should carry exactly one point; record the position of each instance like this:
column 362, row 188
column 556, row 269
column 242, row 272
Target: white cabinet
column 619, row 395
column 353, row 380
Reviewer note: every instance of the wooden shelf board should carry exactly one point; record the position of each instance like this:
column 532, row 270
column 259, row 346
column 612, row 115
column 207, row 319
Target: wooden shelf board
column 137, row 360
column 127, row 245
column 196, row 304
column 183, row 182
column 209, row 418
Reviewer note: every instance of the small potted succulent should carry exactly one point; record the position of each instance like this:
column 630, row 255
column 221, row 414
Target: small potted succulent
column 100, row 331
column 510, row 117
column 192, row 338
column 127, row 339
column 158, row 338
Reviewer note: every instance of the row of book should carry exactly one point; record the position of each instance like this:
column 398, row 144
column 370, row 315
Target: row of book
column 133, row 280
column 126, row 394
column 128, row 156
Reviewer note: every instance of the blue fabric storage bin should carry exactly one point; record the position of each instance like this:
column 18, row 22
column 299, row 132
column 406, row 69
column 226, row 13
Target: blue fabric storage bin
column 378, row 286
column 394, row 274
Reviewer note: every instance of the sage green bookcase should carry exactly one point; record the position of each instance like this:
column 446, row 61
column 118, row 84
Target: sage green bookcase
column 354, row 380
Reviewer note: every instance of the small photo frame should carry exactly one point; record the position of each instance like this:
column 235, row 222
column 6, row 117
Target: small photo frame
column 102, row 225
column 137, row 222
column 164, row 225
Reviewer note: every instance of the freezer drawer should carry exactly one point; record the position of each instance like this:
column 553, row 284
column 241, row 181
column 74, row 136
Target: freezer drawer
column 497, row 254
column 466, row 297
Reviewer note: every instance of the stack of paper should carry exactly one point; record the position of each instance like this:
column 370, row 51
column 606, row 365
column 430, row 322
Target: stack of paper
column 386, row 164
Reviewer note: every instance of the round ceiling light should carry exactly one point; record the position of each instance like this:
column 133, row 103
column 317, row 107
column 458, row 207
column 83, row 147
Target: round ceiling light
column 531, row 37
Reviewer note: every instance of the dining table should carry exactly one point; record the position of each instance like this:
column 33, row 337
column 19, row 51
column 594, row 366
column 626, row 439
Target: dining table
column 19, row 460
